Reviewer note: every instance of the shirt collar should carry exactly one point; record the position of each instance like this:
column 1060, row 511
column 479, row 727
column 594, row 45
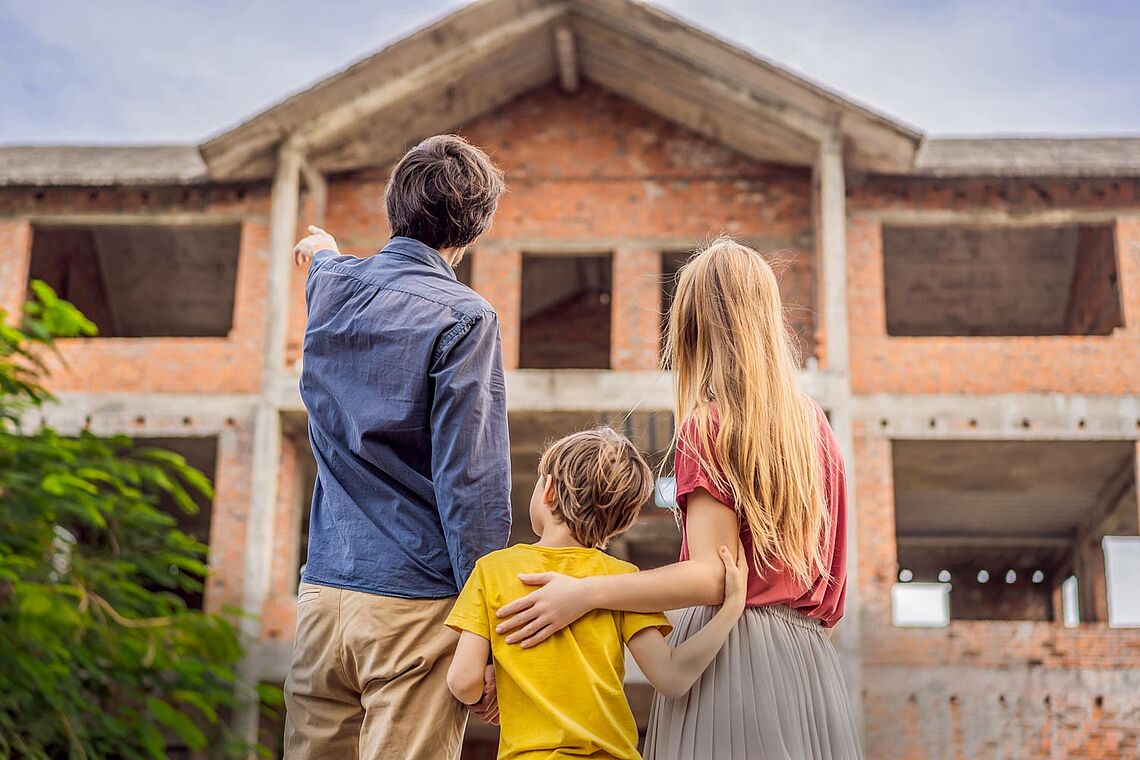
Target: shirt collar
column 410, row 248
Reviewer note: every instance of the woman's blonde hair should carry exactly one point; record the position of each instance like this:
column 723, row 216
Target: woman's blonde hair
column 728, row 343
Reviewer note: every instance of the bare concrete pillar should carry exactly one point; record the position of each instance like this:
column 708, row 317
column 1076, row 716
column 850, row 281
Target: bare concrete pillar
column 831, row 229
column 831, row 226
column 285, row 199
column 15, row 258
column 496, row 274
column 635, row 309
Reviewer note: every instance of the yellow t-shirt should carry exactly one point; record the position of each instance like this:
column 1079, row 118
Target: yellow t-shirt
column 563, row 698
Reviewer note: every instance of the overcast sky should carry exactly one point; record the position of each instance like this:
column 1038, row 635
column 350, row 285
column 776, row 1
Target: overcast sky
column 78, row 71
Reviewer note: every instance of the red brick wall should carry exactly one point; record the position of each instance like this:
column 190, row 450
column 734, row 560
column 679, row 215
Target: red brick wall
column 497, row 274
column 1076, row 364
column 593, row 168
column 594, row 172
column 162, row 365
column 229, row 525
column 980, row 689
column 278, row 616
column 636, row 309
column 15, row 253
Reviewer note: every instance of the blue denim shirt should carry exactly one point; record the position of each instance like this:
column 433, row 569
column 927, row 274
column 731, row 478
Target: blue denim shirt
column 403, row 380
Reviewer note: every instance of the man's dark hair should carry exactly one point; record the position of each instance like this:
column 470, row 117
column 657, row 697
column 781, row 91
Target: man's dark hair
column 443, row 193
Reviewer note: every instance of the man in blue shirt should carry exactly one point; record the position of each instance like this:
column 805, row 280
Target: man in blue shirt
column 403, row 381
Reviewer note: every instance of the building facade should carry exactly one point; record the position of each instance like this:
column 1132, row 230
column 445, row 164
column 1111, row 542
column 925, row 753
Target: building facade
column 966, row 311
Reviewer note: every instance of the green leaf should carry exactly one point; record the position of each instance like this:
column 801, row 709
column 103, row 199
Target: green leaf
column 196, row 700
column 176, row 722
column 34, row 601
column 270, row 695
column 124, row 689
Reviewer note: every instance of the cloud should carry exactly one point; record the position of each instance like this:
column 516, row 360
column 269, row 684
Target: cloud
column 130, row 70
column 954, row 66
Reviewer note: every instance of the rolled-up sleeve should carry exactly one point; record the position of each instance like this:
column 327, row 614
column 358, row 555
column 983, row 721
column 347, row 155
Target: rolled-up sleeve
column 471, row 461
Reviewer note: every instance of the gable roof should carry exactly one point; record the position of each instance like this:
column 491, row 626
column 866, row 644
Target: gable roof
column 467, row 64
column 491, row 51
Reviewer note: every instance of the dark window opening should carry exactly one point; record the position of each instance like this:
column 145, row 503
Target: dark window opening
column 137, row 281
column 565, row 312
column 201, row 454
column 1005, row 523
column 994, row 281
column 671, row 263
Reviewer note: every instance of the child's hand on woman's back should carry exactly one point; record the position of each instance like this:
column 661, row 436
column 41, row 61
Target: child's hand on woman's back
column 735, row 577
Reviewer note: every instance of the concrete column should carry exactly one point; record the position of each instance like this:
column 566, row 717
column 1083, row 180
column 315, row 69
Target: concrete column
column 636, row 309
column 1136, row 480
column 497, row 275
column 831, row 226
column 15, row 258
column 831, row 230
column 284, row 203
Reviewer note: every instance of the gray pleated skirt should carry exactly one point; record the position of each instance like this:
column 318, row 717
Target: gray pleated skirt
column 774, row 691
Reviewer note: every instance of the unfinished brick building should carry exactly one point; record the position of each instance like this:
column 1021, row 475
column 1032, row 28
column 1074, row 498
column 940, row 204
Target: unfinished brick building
column 967, row 309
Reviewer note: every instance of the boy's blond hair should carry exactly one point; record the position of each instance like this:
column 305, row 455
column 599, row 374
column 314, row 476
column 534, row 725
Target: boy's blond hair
column 601, row 483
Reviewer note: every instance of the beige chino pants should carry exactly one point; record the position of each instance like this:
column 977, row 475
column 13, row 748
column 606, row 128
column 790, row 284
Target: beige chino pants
column 369, row 679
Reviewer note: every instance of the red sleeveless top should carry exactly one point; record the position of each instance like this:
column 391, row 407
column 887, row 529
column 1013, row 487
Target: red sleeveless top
column 822, row 599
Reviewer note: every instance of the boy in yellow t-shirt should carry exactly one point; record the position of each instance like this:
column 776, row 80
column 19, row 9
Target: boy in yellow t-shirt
column 565, row 698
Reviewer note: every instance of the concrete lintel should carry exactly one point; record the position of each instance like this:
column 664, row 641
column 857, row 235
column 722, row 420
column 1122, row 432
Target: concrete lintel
column 1003, row 217
column 117, row 218
column 542, row 390
column 147, row 414
column 1001, row 542
column 566, row 49
column 1058, row 416
column 666, row 244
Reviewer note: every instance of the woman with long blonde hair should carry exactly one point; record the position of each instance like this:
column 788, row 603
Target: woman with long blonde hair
column 755, row 458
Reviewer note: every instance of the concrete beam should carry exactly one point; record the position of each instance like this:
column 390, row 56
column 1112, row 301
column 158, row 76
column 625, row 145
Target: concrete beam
column 996, row 216
column 566, row 52
column 1024, row 416
column 149, row 414
column 119, row 218
column 318, row 189
column 335, row 123
column 1000, row 542
column 663, row 243
column 562, row 390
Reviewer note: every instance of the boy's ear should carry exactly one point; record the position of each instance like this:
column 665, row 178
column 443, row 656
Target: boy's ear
column 548, row 491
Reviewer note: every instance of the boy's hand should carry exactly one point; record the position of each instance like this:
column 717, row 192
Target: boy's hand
column 735, row 577
column 316, row 240
column 487, row 708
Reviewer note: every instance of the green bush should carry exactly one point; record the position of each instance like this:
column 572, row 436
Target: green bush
column 99, row 655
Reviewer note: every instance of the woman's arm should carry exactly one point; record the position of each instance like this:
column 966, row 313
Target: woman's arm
column 700, row 580
column 672, row 671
